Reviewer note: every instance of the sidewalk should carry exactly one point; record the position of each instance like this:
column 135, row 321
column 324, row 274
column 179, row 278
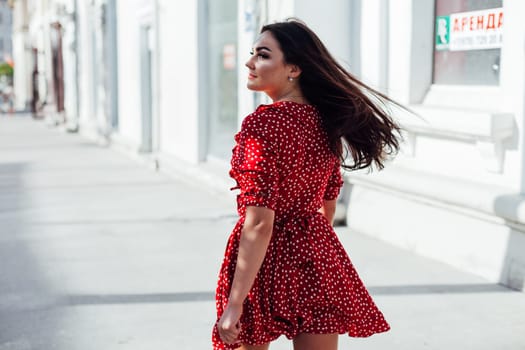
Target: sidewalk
column 100, row 252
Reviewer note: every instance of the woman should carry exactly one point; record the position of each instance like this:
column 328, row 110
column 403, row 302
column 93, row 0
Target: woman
column 285, row 272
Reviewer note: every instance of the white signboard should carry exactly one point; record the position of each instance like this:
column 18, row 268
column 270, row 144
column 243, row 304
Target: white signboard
column 476, row 30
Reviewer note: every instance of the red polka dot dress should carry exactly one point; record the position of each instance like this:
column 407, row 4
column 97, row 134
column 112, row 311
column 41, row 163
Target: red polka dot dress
column 307, row 283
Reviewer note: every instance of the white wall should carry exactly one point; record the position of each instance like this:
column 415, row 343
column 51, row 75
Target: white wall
column 512, row 81
column 85, row 67
column 179, row 101
column 278, row 10
column 374, row 51
column 21, row 57
column 178, row 79
column 399, row 40
column 331, row 23
column 69, row 52
column 129, row 128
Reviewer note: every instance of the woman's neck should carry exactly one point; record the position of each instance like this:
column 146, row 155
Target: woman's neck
column 294, row 95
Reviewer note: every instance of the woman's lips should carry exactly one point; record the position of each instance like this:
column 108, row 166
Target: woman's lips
column 251, row 76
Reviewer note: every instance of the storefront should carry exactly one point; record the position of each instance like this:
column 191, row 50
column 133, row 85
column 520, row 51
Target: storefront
column 455, row 191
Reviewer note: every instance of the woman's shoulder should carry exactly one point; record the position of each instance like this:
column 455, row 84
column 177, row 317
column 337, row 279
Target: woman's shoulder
column 285, row 107
column 268, row 112
column 263, row 118
column 279, row 114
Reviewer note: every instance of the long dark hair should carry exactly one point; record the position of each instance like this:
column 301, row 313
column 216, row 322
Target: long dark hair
column 355, row 116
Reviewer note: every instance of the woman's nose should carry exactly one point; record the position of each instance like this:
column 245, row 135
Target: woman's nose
column 249, row 63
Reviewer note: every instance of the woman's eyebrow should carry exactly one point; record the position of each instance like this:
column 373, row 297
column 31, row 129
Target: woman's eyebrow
column 262, row 48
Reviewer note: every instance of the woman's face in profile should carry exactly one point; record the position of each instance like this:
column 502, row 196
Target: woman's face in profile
column 267, row 69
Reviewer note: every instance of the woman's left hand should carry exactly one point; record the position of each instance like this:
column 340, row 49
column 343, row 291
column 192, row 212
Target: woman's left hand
column 229, row 325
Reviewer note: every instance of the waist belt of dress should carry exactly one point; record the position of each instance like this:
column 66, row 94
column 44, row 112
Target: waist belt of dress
column 299, row 242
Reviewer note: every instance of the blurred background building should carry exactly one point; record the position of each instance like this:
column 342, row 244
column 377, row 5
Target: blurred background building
column 5, row 31
column 166, row 80
column 6, row 61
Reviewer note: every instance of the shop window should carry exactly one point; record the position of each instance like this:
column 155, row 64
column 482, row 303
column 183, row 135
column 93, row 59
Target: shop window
column 222, row 82
column 468, row 36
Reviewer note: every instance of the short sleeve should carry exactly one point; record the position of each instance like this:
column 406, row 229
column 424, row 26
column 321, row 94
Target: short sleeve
column 335, row 182
column 254, row 164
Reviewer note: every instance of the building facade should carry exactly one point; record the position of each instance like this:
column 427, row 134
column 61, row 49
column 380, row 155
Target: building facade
column 166, row 80
column 456, row 191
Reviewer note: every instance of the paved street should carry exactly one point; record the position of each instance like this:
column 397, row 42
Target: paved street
column 100, row 252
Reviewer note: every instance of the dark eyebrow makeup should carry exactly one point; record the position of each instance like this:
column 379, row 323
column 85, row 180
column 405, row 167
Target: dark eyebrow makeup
column 262, row 48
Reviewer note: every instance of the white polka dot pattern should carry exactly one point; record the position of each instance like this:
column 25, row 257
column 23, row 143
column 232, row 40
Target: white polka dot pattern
column 307, row 283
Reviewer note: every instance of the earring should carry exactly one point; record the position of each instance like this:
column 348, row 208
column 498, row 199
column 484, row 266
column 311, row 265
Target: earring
column 290, row 79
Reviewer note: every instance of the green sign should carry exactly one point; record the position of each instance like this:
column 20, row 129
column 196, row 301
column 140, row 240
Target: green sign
column 442, row 32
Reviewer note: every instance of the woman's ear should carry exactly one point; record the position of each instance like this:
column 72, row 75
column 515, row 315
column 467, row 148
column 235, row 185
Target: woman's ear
column 294, row 71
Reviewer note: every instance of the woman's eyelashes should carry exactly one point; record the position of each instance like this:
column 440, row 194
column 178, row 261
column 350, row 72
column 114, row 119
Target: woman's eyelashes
column 260, row 55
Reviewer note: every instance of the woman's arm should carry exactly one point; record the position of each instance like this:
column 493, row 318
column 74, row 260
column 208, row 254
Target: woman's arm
column 328, row 210
column 255, row 237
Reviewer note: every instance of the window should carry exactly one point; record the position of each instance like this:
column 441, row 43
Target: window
column 222, row 68
column 468, row 37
